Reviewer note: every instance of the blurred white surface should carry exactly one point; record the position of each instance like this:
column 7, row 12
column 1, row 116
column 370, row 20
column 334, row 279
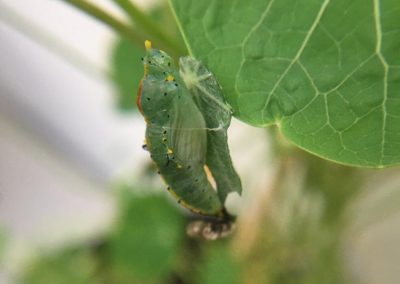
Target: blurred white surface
column 44, row 202
column 38, row 189
column 67, row 108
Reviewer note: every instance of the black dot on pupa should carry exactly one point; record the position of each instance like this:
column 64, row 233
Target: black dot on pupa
column 188, row 167
column 148, row 99
column 149, row 62
column 169, row 63
column 165, row 132
column 142, row 58
column 196, row 180
column 165, row 94
column 176, row 84
column 164, row 140
column 168, row 188
column 179, row 201
column 168, row 115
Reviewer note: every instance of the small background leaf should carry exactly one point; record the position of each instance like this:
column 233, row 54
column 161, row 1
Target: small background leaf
column 219, row 267
column 326, row 72
column 147, row 239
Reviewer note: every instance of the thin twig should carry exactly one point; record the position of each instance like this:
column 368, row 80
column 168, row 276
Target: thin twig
column 123, row 29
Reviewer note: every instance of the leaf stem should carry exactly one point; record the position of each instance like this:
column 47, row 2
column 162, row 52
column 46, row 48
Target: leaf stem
column 146, row 23
column 123, row 29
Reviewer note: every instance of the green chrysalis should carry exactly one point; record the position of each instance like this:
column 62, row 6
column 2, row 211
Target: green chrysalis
column 186, row 130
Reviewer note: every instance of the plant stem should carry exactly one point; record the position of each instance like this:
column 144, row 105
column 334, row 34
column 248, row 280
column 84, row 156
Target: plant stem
column 101, row 15
column 147, row 24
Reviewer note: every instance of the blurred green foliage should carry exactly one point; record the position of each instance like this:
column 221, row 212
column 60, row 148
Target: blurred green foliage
column 298, row 237
column 147, row 245
column 3, row 242
column 127, row 71
column 147, row 239
column 218, row 266
column 72, row 265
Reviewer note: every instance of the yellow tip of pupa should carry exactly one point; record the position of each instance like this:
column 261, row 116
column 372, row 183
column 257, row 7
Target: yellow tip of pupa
column 170, row 78
column 147, row 44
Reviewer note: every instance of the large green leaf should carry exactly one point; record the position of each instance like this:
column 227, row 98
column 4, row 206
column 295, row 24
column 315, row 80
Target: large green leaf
column 326, row 72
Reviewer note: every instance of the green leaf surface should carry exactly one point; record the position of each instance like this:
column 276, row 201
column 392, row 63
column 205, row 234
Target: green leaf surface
column 327, row 72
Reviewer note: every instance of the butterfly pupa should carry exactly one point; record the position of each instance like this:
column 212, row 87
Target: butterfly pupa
column 176, row 134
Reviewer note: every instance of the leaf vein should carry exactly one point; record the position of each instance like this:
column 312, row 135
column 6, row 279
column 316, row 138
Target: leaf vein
column 298, row 54
column 252, row 30
column 378, row 30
